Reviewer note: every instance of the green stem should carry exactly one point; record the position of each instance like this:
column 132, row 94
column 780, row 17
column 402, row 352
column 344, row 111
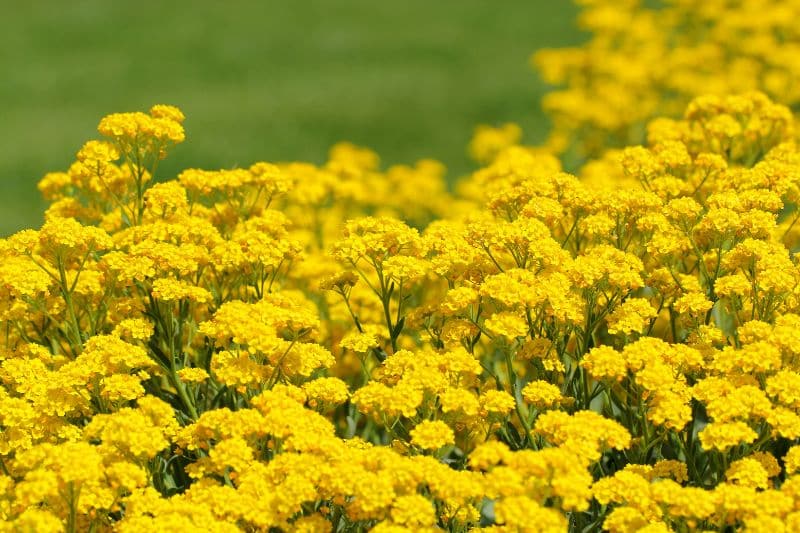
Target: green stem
column 67, row 294
column 72, row 497
column 512, row 378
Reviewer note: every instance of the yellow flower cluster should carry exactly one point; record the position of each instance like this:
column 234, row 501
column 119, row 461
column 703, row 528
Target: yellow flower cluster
column 331, row 348
column 648, row 59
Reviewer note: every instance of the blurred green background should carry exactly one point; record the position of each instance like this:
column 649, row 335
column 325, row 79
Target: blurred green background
column 268, row 80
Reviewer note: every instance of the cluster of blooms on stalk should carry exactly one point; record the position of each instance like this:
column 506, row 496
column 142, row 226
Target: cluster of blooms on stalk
column 341, row 347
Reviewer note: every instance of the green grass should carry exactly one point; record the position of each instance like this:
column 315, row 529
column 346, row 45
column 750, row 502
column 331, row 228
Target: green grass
column 267, row 80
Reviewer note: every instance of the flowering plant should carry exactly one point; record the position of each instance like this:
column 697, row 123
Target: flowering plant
column 343, row 347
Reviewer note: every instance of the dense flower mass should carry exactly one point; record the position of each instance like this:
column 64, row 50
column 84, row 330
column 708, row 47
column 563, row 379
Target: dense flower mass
column 649, row 58
column 290, row 346
column 342, row 347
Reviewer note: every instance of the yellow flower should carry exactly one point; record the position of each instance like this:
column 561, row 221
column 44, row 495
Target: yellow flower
column 163, row 125
column 331, row 391
column 605, row 363
column 168, row 289
column 792, row 460
column 134, row 328
column 432, row 435
column 694, row 304
column 413, row 511
column 359, row 342
column 488, row 141
column 748, row 472
column 497, row 402
column 192, row 375
column 631, row 317
column 541, row 394
column 509, row 325
column 405, row 269
column 524, row 514
column 724, row 435
column 118, row 387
